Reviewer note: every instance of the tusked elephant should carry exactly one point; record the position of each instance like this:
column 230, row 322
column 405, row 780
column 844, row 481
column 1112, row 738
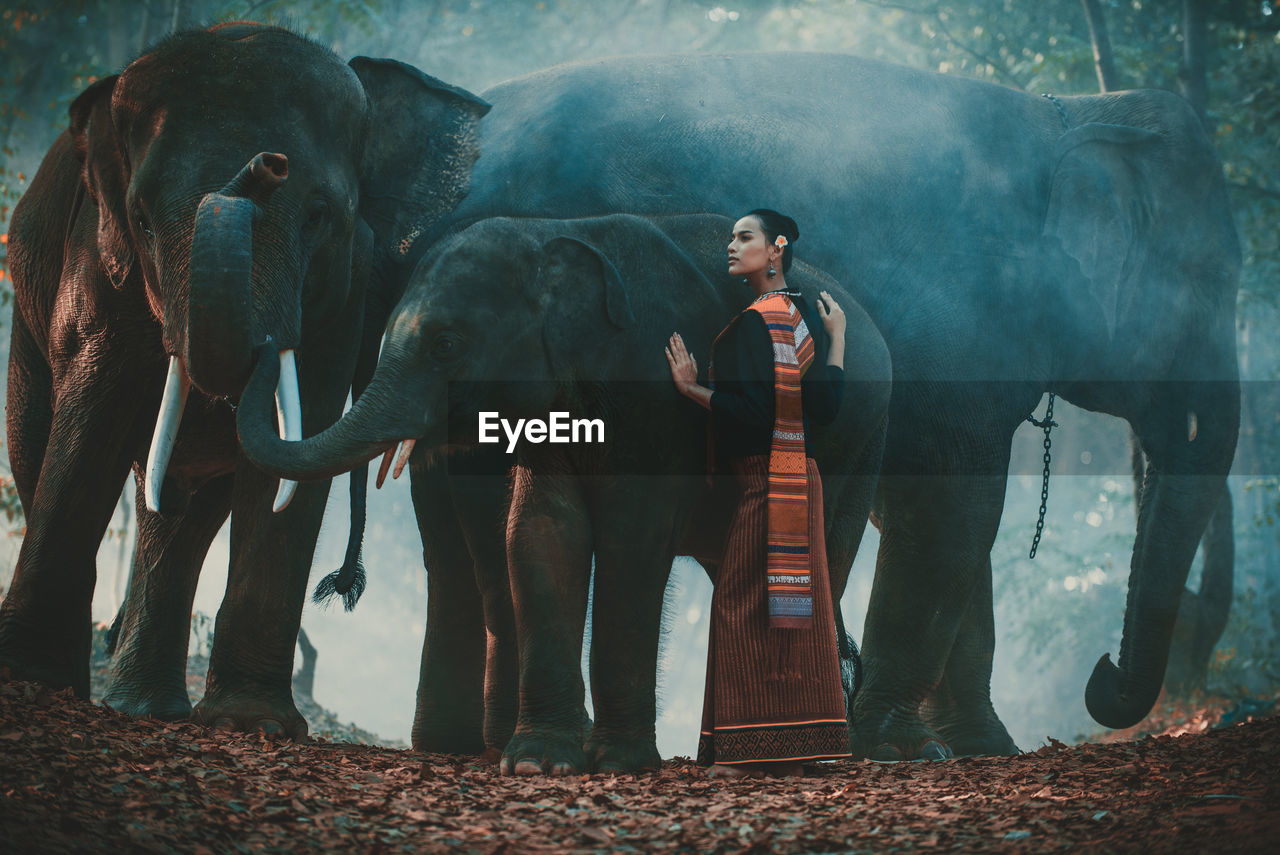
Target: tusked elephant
column 522, row 318
column 1006, row 245
column 230, row 185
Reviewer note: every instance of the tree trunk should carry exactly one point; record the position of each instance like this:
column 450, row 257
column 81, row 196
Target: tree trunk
column 1103, row 61
column 304, row 681
column 1195, row 45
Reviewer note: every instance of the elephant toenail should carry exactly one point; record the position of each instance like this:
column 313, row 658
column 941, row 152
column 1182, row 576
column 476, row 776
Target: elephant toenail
column 561, row 770
column 224, row 723
column 885, row 753
column 934, row 750
column 504, row 768
column 270, row 728
column 528, row 767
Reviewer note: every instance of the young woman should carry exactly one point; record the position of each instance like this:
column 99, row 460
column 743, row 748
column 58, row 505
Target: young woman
column 773, row 693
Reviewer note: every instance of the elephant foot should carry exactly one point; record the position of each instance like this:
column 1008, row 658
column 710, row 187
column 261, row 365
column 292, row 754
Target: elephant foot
column 893, row 736
column 544, row 753
column 973, row 732
column 622, row 755
column 978, row 739
column 55, row 659
column 162, row 704
column 246, row 712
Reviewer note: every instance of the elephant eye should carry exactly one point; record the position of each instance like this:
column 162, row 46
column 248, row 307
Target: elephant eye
column 447, row 346
column 144, row 227
column 317, row 215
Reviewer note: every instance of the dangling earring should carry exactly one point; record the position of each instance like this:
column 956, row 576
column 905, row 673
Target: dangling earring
column 772, row 273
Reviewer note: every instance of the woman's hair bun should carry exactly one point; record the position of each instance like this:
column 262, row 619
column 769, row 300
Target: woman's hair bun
column 777, row 224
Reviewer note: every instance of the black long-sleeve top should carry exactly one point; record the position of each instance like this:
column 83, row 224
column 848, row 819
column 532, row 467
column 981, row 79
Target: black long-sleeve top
column 742, row 403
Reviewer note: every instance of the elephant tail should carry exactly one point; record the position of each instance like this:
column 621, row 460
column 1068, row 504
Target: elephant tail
column 348, row 581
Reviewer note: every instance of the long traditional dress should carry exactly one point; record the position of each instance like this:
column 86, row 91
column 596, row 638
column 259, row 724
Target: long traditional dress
column 773, row 693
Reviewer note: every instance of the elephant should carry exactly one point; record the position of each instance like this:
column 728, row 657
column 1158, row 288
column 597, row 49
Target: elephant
column 521, row 318
column 1006, row 246
column 230, row 186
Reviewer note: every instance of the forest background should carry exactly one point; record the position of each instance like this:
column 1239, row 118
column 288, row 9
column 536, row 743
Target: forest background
column 1055, row 614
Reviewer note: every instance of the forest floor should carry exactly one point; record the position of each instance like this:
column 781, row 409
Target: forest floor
column 76, row 776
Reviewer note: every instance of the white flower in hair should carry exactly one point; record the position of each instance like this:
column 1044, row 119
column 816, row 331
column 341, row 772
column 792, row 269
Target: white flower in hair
column 781, row 241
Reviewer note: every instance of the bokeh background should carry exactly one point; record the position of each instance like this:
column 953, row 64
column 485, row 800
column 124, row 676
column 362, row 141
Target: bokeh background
column 1055, row 614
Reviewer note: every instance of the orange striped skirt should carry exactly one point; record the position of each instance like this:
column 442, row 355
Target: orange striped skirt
column 771, row 694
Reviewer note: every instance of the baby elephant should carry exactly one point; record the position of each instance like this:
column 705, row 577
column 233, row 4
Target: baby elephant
column 515, row 334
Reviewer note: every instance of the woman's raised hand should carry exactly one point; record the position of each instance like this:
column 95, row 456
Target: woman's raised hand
column 684, row 368
column 832, row 316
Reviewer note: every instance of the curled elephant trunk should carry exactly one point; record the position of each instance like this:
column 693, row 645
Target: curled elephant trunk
column 368, row 429
column 1184, row 482
column 217, row 345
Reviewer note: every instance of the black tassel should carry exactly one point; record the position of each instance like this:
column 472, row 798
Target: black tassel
column 347, row 582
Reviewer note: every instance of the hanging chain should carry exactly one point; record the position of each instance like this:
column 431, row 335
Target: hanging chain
column 1048, row 424
column 1062, row 111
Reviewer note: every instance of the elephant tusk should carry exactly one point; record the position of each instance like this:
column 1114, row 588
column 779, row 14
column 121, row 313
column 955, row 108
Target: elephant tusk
column 172, row 402
column 406, row 448
column 1193, row 425
column 289, row 411
column 385, row 466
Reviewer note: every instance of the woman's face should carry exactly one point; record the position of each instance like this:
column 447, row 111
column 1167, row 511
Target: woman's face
column 749, row 250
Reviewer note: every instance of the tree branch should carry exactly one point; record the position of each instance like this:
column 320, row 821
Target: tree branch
column 936, row 12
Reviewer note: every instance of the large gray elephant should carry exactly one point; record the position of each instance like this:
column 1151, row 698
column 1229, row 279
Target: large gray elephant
column 525, row 317
column 1006, row 246
column 229, row 185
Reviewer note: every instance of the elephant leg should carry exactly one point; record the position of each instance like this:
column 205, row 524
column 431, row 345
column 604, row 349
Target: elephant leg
column 960, row 708
column 846, row 522
column 482, row 504
column 450, row 710
column 848, row 499
column 634, row 550
column 45, row 619
column 29, row 410
column 148, row 672
column 250, row 680
column 549, row 558
column 249, row 685
column 935, row 539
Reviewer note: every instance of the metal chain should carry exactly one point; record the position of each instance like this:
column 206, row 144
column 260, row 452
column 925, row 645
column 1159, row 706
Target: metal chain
column 1048, row 424
column 1062, row 111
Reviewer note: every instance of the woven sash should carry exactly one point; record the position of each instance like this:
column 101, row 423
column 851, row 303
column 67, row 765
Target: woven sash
column 790, row 592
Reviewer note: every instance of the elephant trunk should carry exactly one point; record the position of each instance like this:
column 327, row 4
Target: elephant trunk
column 1185, row 478
column 375, row 423
column 217, row 347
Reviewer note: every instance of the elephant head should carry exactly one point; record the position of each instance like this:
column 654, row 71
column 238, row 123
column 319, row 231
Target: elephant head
column 239, row 173
column 504, row 310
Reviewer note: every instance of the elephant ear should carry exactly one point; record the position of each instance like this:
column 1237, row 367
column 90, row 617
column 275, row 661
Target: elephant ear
column 420, row 143
column 1097, row 206
column 105, row 175
column 582, row 286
